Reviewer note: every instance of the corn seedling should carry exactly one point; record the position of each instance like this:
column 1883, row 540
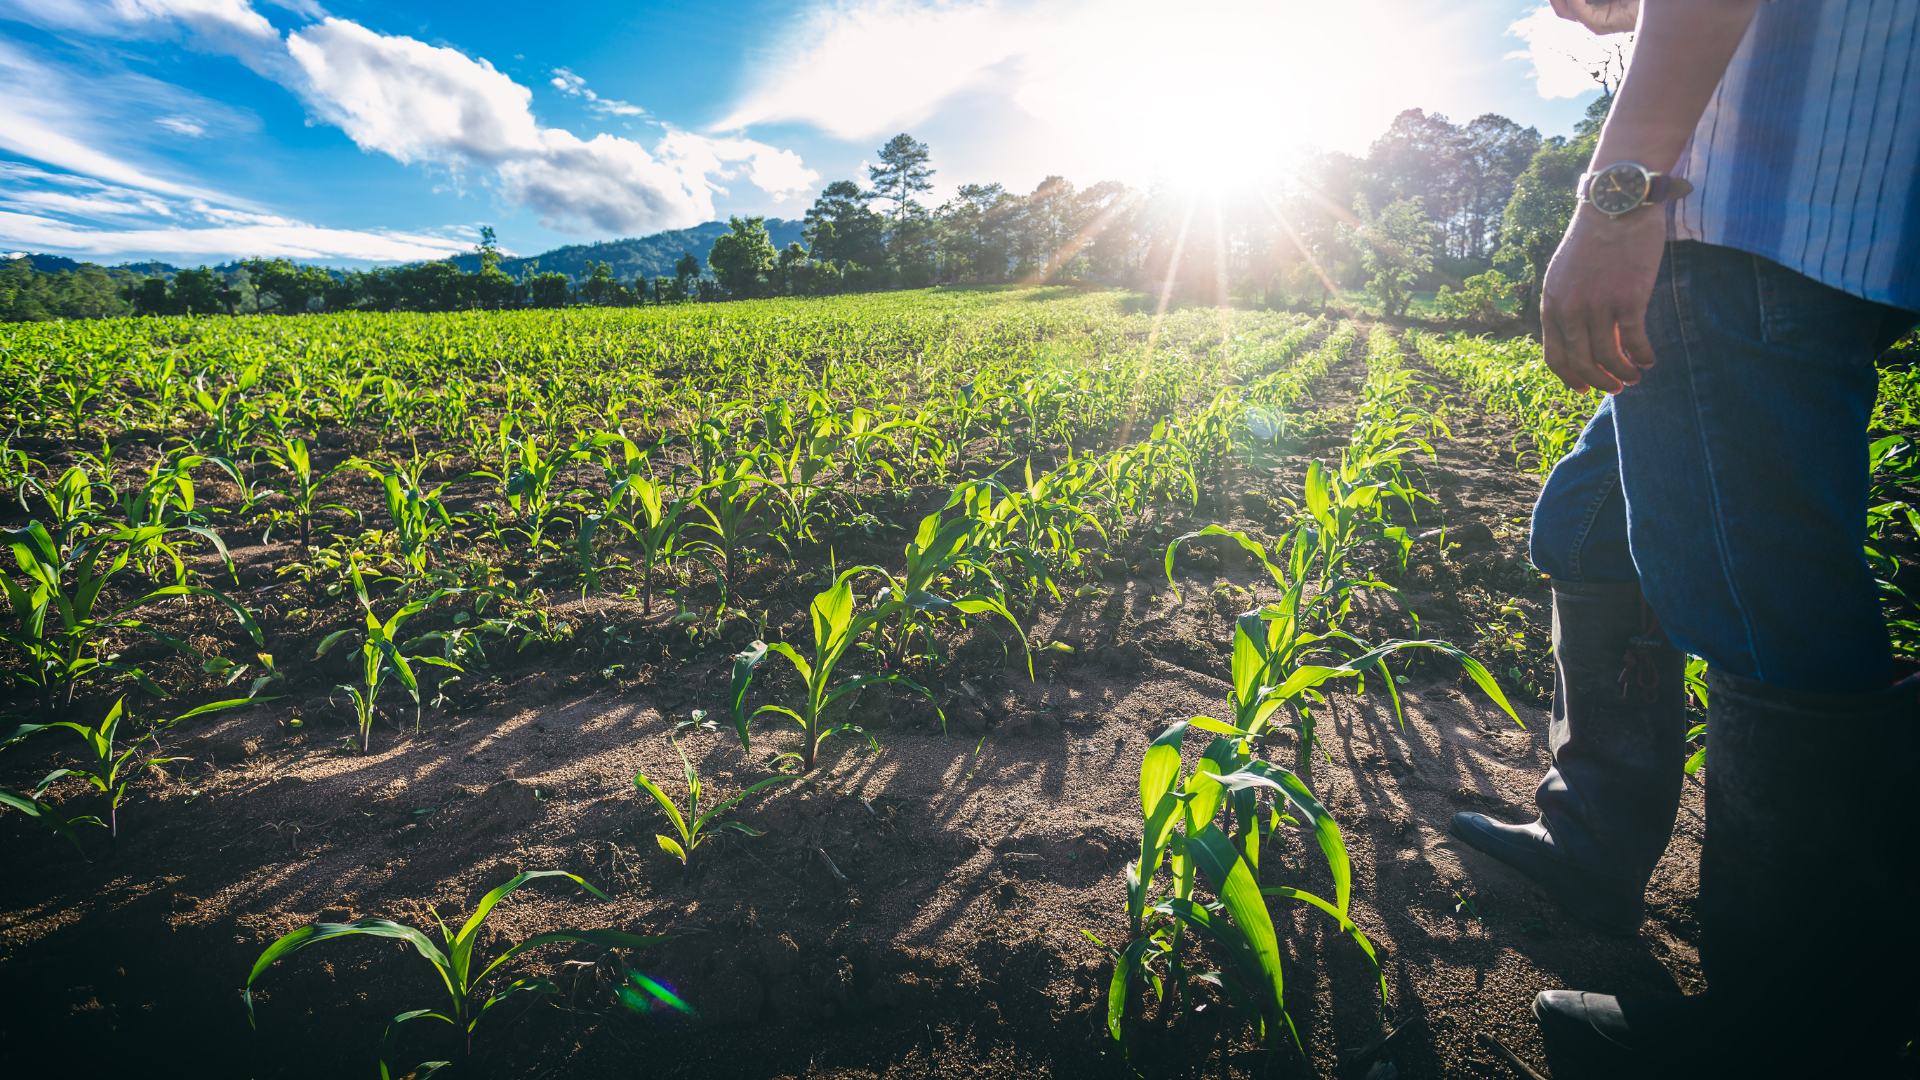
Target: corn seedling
column 1184, row 832
column 469, row 980
column 382, row 655
column 695, row 826
column 821, row 714
column 57, row 619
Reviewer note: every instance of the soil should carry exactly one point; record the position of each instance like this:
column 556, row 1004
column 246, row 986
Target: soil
column 917, row 911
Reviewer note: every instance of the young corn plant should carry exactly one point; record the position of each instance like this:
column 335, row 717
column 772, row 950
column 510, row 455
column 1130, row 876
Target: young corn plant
column 655, row 522
column 382, row 655
column 470, row 980
column 1205, row 827
column 1285, row 652
column 57, row 619
column 302, row 494
column 822, row 710
column 695, row 826
column 729, row 504
column 940, row 549
column 419, row 519
column 111, row 765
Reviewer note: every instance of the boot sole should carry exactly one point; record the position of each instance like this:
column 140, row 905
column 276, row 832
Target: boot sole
column 1575, row 891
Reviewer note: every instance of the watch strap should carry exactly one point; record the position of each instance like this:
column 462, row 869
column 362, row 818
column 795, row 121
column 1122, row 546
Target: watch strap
column 1666, row 188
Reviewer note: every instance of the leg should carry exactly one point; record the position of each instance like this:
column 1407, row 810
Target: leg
column 1743, row 459
column 1743, row 462
column 1607, row 805
column 1579, row 529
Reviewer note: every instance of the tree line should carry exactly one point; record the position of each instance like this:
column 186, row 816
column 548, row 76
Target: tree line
column 1471, row 210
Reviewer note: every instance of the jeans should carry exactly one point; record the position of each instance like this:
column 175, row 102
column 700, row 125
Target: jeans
column 1732, row 480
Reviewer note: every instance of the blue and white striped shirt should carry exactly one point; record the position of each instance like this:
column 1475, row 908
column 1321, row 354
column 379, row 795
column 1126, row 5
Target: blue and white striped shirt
column 1809, row 152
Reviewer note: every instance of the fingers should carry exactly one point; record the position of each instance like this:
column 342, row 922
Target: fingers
column 1580, row 359
column 1554, row 344
column 1603, row 347
column 1634, row 341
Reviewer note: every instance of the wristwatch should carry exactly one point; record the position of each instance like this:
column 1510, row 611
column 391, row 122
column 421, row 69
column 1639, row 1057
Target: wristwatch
column 1626, row 186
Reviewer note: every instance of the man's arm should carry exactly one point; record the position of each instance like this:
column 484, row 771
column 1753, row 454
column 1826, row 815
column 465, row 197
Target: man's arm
column 1593, row 303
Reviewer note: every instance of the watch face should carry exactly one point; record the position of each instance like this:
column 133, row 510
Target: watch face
column 1617, row 189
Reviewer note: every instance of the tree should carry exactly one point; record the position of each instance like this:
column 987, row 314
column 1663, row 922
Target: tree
column 686, row 273
column 1542, row 204
column 1481, row 299
column 1396, row 247
column 547, row 290
column 792, row 271
column 668, row 290
column 902, row 172
column 492, row 286
column 743, row 257
column 1495, row 151
column 292, row 288
column 200, row 291
column 601, row 288
column 149, row 297
column 1048, row 222
column 841, row 228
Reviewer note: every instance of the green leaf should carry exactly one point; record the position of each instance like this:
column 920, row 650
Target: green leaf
column 318, row 932
column 672, row 847
column 1233, row 882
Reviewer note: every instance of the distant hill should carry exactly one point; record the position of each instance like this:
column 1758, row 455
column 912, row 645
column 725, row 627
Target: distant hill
column 652, row 256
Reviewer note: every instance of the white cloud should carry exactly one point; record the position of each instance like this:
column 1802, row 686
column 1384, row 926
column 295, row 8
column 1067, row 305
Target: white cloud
column 410, row 100
column 102, row 203
column 292, row 241
column 1565, row 55
column 42, row 117
column 427, row 104
column 182, row 125
column 575, row 86
column 868, row 70
column 1114, row 88
column 417, row 103
column 222, row 19
column 777, row 172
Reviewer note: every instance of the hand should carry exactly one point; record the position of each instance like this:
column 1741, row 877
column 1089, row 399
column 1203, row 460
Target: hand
column 1593, row 304
column 1599, row 16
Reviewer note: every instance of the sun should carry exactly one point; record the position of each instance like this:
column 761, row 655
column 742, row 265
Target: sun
column 1224, row 96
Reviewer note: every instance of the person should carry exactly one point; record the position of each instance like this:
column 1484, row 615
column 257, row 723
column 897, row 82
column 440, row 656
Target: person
column 1746, row 246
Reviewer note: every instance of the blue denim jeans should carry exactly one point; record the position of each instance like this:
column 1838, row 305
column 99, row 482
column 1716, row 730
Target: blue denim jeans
column 1732, row 480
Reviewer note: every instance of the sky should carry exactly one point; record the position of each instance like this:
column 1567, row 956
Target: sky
column 351, row 133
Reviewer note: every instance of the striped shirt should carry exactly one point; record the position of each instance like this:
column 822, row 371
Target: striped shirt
column 1809, row 153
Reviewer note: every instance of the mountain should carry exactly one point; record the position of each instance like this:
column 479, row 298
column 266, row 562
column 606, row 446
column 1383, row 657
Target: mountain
column 652, row 256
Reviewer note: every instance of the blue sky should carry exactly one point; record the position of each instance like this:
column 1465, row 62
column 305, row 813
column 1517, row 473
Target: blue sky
column 351, row 132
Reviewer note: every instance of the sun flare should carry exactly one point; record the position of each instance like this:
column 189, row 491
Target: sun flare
column 1223, row 96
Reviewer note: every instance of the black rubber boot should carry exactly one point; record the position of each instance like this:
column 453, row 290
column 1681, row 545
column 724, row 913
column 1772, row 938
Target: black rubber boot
column 1809, row 889
column 1619, row 729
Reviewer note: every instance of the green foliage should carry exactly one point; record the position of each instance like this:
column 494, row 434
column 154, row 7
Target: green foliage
column 1396, row 248
column 821, row 713
column 694, row 826
column 743, row 258
column 383, row 655
column 1483, row 299
column 468, row 979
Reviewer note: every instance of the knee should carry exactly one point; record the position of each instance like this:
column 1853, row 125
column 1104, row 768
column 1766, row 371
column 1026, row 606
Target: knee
column 1578, row 531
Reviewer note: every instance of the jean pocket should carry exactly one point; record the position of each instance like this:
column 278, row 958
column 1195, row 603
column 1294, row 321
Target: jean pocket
column 1796, row 310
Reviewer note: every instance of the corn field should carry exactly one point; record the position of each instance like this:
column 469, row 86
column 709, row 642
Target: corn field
column 1024, row 671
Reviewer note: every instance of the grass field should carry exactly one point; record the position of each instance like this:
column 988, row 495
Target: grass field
column 998, row 682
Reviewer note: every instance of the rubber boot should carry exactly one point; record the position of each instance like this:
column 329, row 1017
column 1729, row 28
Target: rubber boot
column 1809, row 888
column 1619, row 731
